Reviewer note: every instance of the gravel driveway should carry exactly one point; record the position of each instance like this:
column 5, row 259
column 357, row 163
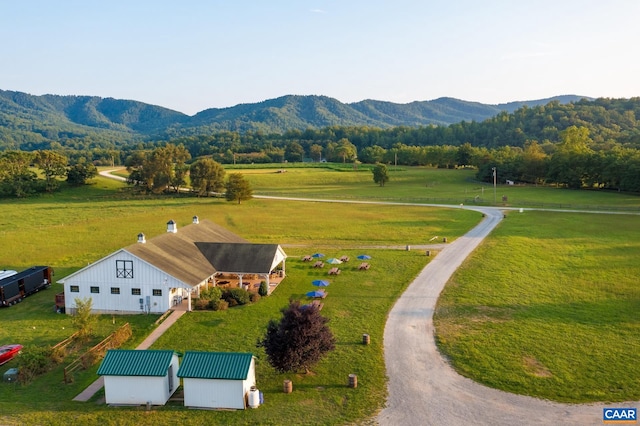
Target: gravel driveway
column 425, row 390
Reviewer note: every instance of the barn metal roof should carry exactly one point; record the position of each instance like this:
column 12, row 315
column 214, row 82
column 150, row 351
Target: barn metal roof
column 215, row 365
column 129, row 362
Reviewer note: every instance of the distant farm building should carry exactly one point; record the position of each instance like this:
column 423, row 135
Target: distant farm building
column 217, row 379
column 139, row 377
column 152, row 276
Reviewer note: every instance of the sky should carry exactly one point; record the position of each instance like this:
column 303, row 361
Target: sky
column 191, row 55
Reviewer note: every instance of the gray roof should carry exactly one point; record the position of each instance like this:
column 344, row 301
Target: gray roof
column 177, row 254
column 239, row 257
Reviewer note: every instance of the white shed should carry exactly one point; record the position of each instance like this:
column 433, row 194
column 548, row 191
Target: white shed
column 217, row 379
column 138, row 377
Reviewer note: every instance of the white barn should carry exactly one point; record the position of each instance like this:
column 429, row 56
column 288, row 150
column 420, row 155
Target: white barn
column 138, row 377
column 152, row 276
column 217, row 379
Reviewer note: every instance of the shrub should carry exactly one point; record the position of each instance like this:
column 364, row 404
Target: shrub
column 254, row 297
column 264, row 289
column 201, row 304
column 211, row 293
column 219, row 305
column 120, row 336
column 231, row 302
column 35, row 361
column 240, row 295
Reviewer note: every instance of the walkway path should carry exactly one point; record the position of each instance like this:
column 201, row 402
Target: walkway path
column 94, row 387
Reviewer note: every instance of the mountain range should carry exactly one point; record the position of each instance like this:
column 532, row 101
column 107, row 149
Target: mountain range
column 55, row 117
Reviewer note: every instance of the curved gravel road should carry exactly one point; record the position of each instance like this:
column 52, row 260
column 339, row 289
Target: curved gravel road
column 425, row 390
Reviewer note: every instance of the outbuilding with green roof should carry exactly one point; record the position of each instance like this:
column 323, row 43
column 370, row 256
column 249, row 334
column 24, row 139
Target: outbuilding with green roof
column 217, row 379
column 138, row 377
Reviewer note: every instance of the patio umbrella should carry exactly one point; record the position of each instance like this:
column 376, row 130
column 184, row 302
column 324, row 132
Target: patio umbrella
column 320, row 283
column 364, row 257
column 334, row 261
column 317, row 255
column 315, row 293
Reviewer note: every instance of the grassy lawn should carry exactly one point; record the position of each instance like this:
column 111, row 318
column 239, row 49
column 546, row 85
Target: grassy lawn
column 426, row 185
column 544, row 307
column 548, row 306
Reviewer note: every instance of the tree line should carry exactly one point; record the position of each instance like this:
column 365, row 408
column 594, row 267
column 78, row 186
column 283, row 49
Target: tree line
column 18, row 178
column 592, row 144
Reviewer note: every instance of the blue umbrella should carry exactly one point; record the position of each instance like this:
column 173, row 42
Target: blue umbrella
column 317, row 255
column 364, row 257
column 320, row 283
column 334, row 261
column 316, row 293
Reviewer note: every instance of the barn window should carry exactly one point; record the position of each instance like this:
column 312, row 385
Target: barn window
column 95, row 289
column 157, row 292
column 124, row 268
column 135, row 292
column 115, row 290
column 74, row 288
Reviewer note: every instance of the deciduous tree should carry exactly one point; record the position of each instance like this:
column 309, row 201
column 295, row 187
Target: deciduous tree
column 380, row 174
column 78, row 174
column 83, row 319
column 207, row 176
column 52, row 165
column 298, row 340
column 16, row 179
column 238, row 188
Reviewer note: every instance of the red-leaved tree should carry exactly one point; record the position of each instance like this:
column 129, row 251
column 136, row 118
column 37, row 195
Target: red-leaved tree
column 298, row 340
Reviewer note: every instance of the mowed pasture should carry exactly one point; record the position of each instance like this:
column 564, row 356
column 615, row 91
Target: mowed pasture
column 70, row 229
column 426, row 185
column 548, row 306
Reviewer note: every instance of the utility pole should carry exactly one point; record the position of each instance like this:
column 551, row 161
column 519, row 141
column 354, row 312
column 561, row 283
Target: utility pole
column 495, row 200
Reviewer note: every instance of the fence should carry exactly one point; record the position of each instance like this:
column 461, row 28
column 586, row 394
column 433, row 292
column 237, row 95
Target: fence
column 96, row 353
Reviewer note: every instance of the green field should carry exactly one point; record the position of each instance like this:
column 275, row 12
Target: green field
column 542, row 275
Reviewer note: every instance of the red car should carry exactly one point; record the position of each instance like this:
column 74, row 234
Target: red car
column 7, row 352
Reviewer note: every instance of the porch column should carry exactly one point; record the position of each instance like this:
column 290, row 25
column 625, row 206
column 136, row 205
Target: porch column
column 189, row 301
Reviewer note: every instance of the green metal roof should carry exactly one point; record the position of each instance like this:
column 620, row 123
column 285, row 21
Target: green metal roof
column 121, row 362
column 215, row 365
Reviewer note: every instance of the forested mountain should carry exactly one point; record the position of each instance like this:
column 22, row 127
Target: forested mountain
column 34, row 122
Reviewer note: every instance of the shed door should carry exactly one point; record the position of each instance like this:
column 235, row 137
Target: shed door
column 170, row 378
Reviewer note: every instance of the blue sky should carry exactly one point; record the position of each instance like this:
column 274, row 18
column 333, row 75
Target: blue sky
column 191, row 55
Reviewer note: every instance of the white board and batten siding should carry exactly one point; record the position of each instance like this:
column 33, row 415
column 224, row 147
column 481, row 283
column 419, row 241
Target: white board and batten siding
column 123, row 283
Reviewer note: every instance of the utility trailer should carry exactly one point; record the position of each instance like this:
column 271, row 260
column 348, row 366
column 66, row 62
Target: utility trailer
column 16, row 287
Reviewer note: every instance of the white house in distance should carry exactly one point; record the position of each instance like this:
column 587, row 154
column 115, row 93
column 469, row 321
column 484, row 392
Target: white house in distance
column 138, row 377
column 153, row 275
column 217, row 379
